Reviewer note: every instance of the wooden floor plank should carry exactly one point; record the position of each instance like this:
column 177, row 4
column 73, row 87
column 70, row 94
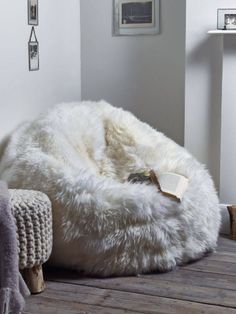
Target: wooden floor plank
column 196, row 278
column 217, row 267
column 206, row 286
column 119, row 300
column 165, row 288
column 179, row 275
column 226, row 243
column 223, row 256
column 41, row 304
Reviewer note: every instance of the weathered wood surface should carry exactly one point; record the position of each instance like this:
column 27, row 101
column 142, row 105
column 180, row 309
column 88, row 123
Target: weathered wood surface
column 34, row 279
column 206, row 286
column 178, row 276
column 75, row 295
column 232, row 214
column 226, row 244
column 183, row 290
column 42, row 305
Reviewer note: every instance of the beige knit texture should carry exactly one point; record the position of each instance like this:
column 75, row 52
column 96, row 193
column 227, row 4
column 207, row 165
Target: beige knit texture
column 33, row 217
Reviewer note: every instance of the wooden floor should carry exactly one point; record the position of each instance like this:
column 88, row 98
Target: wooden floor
column 206, row 286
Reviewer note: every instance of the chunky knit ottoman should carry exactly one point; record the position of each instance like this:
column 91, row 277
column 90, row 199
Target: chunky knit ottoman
column 33, row 218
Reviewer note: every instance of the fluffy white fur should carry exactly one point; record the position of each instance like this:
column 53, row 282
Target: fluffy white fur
column 81, row 154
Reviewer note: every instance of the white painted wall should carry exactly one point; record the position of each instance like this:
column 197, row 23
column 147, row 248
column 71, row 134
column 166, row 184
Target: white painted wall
column 24, row 94
column 144, row 74
column 203, row 83
column 228, row 124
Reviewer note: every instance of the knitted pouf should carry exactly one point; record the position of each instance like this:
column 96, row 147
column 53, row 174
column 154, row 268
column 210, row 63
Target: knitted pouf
column 33, row 218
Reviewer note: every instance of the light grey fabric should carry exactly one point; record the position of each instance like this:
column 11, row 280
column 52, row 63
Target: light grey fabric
column 12, row 287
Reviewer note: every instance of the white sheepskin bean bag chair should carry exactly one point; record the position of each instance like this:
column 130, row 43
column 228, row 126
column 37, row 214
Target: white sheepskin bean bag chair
column 80, row 155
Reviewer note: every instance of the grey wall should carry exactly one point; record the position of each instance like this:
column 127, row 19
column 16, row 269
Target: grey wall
column 203, row 83
column 24, row 94
column 144, row 74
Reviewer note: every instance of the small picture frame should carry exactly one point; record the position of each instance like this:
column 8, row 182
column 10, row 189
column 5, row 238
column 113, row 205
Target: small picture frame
column 136, row 17
column 33, row 12
column 33, row 51
column 226, row 19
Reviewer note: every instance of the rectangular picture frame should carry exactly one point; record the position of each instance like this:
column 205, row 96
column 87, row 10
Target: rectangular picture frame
column 33, row 51
column 136, row 17
column 33, row 12
column 226, row 19
column 33, row 48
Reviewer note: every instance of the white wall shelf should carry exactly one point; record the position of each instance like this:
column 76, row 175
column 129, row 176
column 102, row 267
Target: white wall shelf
column 224, row 32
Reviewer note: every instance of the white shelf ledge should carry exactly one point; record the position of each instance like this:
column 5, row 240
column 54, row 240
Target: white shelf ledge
column 224, row 32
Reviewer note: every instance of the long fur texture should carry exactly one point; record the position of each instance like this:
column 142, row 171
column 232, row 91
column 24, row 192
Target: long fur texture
column 81, row 154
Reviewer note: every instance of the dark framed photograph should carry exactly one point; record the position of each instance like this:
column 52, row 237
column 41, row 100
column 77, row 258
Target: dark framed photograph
column 33, row 15
column 33, row 51
column 226, row 19
column 136, row 17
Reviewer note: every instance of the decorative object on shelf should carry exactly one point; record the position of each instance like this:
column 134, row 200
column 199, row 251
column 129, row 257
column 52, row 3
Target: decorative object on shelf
column 33, row 51
column 226, row 19
column 136, row 17
column 33, row 15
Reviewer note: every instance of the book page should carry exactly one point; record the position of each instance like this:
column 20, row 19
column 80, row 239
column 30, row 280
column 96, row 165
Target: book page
column 182, row 187
column 173, row 184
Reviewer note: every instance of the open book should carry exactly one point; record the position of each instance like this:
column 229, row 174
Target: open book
column 169, row 183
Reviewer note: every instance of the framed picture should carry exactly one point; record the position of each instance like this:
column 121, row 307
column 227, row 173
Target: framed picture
column 226, row 19
column 33, row 51
column 136, row 17
column 33, row 15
